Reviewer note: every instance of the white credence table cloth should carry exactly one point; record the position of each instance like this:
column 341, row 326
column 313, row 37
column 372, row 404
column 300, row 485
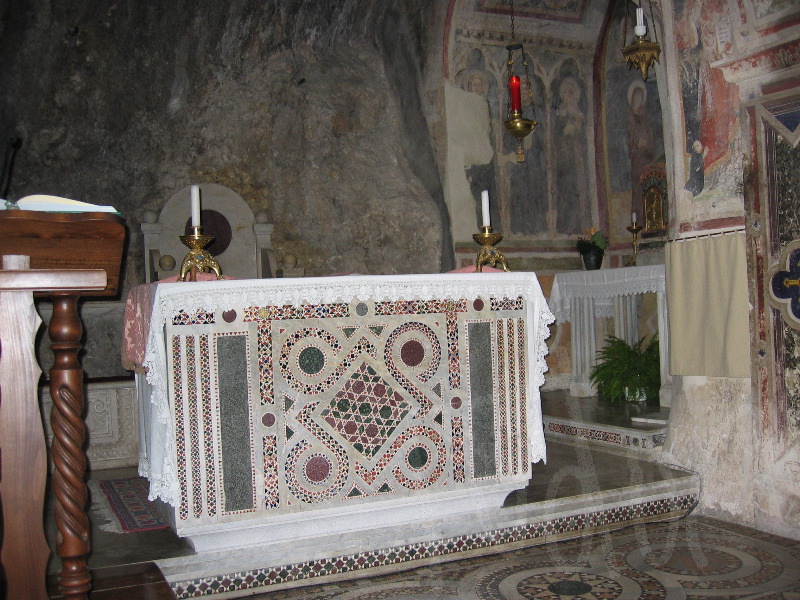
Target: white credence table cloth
column 581, row 296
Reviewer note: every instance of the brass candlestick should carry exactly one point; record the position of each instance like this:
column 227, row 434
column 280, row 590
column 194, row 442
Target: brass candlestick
column 198, row 260
column 634, row 229
column 489, row 255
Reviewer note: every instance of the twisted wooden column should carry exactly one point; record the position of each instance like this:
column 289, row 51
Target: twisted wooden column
column 69, row 457
column 71, row 254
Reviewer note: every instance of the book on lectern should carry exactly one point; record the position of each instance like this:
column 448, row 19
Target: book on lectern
column 44, row 203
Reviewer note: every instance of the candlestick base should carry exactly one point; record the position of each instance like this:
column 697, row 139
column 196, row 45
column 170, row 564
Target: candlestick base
column 489, row 255
column 198, row 260
column 634, row 229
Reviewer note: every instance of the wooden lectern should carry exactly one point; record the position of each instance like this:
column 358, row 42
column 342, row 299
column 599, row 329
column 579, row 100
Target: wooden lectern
column 63, row 256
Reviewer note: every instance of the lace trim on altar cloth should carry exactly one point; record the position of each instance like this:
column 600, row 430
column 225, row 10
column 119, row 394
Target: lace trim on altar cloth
column 613, row 290
column 190, row 297
column 538, row 341
column 162, row 485
column 162, row 475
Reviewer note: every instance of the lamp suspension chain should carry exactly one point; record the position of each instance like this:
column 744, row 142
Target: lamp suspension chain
column 653, row 21
column 517, row 125
column 512, row 21
column 529, row 83
column 510, row 61
column 641, row 52
column 625, row 26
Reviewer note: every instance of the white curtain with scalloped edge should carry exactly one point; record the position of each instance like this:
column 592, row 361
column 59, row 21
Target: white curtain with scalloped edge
column 707, row 296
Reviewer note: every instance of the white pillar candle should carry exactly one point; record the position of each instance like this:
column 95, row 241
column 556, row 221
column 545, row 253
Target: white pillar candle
column 195, row 206
column 485, row 208
column 633, row 217
column 640, row 16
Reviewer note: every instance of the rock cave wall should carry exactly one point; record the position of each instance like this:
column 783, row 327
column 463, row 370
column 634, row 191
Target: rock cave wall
column 312, row 110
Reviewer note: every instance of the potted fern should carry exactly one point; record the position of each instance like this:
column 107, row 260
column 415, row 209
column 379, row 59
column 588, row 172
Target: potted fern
column 626, row 372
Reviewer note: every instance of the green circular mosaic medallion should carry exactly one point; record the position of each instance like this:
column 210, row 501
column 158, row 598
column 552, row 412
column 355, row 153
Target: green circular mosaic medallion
column 418, row 457
column 311, row 360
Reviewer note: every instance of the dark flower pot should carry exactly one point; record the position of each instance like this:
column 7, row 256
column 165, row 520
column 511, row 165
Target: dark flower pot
column 592, row 259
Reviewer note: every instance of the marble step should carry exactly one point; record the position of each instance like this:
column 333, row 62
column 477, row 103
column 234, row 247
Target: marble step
column 578, row 492
column 614, row 427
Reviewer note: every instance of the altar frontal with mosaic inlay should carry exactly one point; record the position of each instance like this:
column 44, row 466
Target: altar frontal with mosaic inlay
column 282, row 409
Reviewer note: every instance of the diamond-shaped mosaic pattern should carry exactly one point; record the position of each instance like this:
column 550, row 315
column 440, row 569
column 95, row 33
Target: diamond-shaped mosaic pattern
column 366, row 411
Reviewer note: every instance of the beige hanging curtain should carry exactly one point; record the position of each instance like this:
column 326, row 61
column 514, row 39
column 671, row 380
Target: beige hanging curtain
column 708, row 306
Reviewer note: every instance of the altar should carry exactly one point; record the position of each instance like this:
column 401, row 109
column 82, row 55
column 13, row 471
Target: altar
column 581, row 296
column 281, row 412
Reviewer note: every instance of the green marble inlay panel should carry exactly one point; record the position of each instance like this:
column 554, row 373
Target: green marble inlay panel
column 482, row 403
column 237, row 472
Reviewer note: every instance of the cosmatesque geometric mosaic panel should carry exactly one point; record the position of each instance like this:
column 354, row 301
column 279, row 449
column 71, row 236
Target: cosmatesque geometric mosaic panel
column 366, row 411
column 347, row 402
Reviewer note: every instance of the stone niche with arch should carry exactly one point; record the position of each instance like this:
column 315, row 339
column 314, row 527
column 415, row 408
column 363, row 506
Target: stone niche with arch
column 242, row 241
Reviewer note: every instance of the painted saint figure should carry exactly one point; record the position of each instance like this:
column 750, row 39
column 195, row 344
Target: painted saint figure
column 570, row 145
column 641, row 141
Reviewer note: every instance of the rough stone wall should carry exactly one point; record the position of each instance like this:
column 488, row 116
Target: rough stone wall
column 712, row 432
column 310, row 109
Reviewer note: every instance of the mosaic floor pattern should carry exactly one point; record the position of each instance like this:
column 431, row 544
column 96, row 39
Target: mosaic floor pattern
column 695, row 558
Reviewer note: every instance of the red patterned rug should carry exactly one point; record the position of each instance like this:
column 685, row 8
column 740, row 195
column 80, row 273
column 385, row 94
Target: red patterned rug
column 128, row 501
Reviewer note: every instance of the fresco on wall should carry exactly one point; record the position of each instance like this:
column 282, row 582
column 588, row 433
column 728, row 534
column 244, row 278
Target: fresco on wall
column 770, row 8
column 475, row 78
column 549, row 193
column 526, row 213
column 633, row 124
column 521, row 206
column 551, row 197
column 634, row 133
column 570, row 151
column 640, row 133
column 710, row 103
